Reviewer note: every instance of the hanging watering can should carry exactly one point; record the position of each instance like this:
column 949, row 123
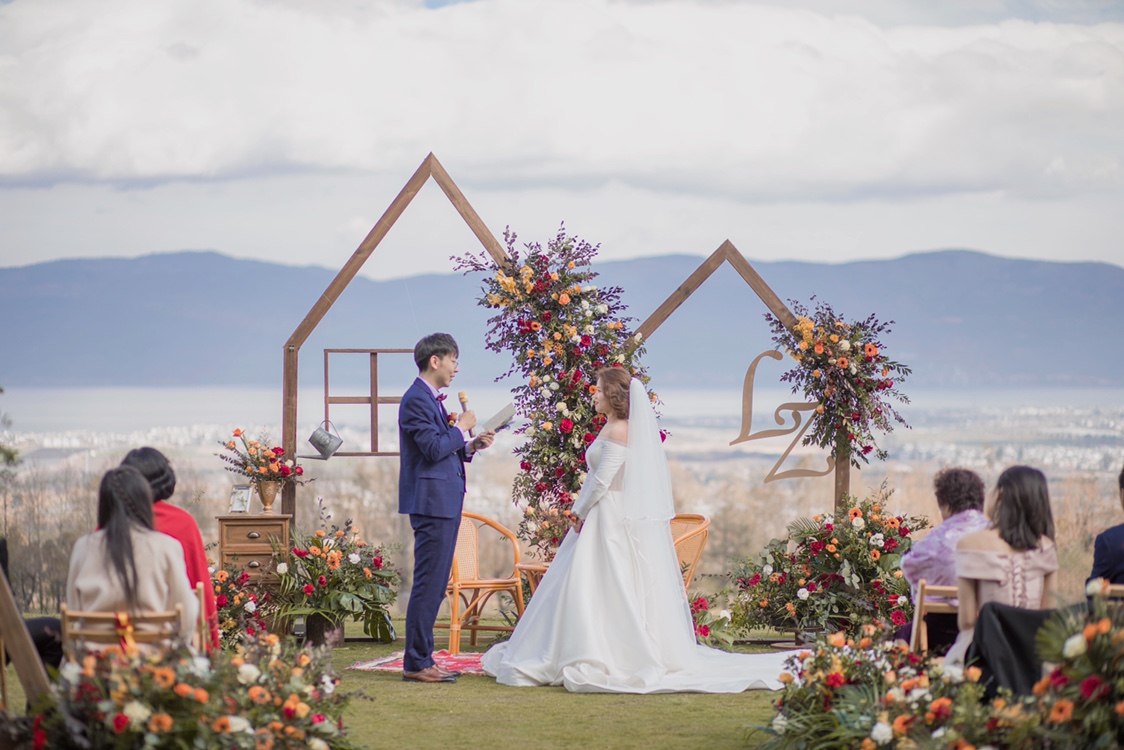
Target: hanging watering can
column 325, row 443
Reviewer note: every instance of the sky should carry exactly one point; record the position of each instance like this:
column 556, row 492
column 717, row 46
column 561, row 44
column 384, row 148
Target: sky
column 812, row 130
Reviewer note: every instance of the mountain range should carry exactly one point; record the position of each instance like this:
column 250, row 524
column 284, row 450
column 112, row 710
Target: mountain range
column 961, row 319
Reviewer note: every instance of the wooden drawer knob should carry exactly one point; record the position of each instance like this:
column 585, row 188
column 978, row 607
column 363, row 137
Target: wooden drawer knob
column 254, row 564
column 253, row 535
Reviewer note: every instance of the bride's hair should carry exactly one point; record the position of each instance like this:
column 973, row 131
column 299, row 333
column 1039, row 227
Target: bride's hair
column 614, row 388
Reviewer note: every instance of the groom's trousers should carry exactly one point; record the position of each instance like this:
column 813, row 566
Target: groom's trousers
column 435, row 541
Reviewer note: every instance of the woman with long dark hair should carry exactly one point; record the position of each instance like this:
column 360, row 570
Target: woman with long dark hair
column 1014, row 562
column 126, row 565
column 176, row 523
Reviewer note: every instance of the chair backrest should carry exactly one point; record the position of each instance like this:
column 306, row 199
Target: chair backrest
column 13, row 631
column 690, row 532
column 466, row 558
column 929, row 599
column 105, row 627
column 202, row 637
column 1115, row 591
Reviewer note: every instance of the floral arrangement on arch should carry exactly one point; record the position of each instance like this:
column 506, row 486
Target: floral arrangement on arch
column 258, row 462
column 559, row 328
column 875, row 693
column 267, row 694
column 333, row 572
column 240, row 605
column 842, row 368
column 831, row 574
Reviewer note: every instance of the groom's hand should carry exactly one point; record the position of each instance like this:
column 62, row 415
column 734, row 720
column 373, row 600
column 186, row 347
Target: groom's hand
column 483, row 441
column 467, row 420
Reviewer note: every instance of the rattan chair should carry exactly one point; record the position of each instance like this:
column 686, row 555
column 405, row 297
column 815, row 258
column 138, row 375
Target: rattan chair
column 111, row 628
column 468, row 592
column 690, row 532
column 924, row 604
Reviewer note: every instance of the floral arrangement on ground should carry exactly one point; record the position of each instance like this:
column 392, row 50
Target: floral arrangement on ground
column 267, row 694
column 241, row 605
column 830, row 574
column 843, row 369
column 559, row 328
column 874, row 692
column 333, row 573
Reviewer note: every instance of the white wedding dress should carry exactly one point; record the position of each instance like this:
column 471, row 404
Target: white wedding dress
column 611, row 613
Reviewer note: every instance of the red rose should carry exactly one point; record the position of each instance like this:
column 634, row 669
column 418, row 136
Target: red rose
column 289, row 710
column 546, row 317
column 298, row 470
column 285, row 470
column 318, row 718
column 540, row 487
column 835, row 679
column 903, row 531
column 322, row 580
column 308, row 590
column 560, row 472
column 300, row 552
column 586, row 341
column 589, row 437
column 811, row 586
column 279, row 451
column 377, row 562
column 565, row 498
column 250, row 630
column 891, row 545
column 566, row 426
column 120, row 723
column 703, row 630
column 525, row 465
column 828, row 526
column 1057, row 679
column 220, row 601
column 756, row 579
column 699, row 604
column 1093, row 688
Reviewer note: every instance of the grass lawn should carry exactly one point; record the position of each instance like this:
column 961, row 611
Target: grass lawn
column 476, row 712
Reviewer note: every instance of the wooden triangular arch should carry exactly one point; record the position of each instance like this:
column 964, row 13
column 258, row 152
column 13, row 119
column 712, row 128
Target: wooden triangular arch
column 429, row 168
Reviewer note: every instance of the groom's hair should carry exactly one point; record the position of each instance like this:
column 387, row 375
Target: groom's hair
column 439, row 344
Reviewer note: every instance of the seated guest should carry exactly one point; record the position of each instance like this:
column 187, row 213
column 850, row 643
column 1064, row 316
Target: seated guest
column 1014, row 562
column 1108, row 549
column 960, row 499
column 46, row 632
column 126, row 565
column 176, row 523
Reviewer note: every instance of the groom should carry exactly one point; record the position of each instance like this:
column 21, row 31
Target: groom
column 434, row 447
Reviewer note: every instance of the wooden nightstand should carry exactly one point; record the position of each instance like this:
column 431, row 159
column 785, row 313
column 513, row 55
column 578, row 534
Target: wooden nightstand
column 246, row 541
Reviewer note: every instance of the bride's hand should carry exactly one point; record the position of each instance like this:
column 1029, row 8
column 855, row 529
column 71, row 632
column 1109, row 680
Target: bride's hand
column 578, row 525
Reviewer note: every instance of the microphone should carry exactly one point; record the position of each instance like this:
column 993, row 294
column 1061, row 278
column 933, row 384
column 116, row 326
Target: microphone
column 463, row 398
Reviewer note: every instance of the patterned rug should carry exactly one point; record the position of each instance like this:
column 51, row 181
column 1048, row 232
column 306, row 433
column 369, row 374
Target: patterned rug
column 463, row 663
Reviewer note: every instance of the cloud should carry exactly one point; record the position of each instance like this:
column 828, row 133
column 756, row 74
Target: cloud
column 751, row 102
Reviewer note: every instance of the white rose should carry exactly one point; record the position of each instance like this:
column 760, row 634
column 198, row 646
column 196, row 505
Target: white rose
column 70, row 672
column 853, row 369
column 941, row 732
column 327, row 684
column 767, row 570
column 282, row 568
column 201, row 667
column 137, row 712
column 581, row 477
column 354, row 558
column 881, row 733
column 602, row 308
column 802, row 594
column 250, row 607
column 844, row 345
column 619, row 358
column 575, row 339
column 240, row 724
column 953, row 672
column 591, row 289
column 315, row 743
column 859, row 523
column 248, row 674
column 530, row 432
column 211, row 569
column 725, row 614
column 530, row 510
column 878, row 540
column 585, row 304
column 546, row 378
column 588, row 329
column 780, row 723
column 553, row 386
column 1074, row 646
column 1094, row 587
column 561, row 406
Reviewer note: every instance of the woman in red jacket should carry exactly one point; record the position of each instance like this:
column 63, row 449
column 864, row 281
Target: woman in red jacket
column 176, row 523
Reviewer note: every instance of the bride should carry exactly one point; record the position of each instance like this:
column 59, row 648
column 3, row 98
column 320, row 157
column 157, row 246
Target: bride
column 611, row 613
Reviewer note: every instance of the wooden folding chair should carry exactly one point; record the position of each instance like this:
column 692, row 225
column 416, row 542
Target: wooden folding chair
column 13, row 634
column 924, row 604
column 111, row 627
column 202, row 638
column 690, row 532
column 468, row 590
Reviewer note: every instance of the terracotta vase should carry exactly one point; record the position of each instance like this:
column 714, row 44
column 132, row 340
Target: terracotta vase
column 267, row 491
column 321, row 630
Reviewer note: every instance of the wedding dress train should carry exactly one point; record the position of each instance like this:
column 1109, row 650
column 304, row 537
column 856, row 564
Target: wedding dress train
column 611, row 613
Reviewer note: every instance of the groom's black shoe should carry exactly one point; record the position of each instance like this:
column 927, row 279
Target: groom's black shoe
column 447, row 672
column 432, row 673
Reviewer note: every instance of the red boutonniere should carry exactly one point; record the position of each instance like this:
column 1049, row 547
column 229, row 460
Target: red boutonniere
column 452, row 419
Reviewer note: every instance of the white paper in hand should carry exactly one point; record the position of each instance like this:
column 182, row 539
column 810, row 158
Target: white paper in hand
column 500, row 420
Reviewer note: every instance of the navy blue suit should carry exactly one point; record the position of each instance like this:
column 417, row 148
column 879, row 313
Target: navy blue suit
column 1108, row 555
column 431, row 488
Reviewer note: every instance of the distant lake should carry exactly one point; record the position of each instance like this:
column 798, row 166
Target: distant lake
column 37, row 410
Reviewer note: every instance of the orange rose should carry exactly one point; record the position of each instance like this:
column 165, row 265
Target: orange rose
column 238, row 433
column 868, row 744
column 160, row 722
column 563, row 299
column 818, row 348
column 902, row 724
column 164, row 677
column 183, row 690
column 201, row 695
column 1061, row 712
column 221, row 725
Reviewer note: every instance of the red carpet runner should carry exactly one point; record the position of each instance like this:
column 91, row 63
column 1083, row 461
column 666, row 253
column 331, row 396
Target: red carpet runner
column 463, row 663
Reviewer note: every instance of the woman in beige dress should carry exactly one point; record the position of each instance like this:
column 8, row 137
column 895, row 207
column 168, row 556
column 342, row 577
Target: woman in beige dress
column 1014, row 562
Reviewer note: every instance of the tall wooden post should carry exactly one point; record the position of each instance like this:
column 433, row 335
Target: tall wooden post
column 842, row 455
